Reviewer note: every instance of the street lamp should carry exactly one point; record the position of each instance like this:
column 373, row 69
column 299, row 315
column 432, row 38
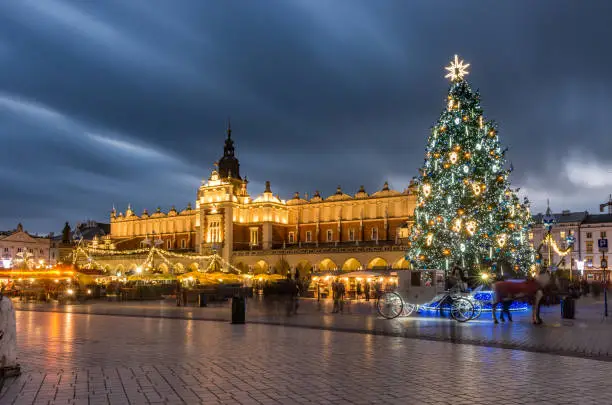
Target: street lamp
column 6, row 263
column 138, row 269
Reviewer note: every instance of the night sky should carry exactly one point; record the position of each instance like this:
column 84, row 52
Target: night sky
column 117, row 102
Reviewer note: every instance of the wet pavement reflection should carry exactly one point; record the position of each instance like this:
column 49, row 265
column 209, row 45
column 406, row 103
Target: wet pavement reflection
column 586, row 336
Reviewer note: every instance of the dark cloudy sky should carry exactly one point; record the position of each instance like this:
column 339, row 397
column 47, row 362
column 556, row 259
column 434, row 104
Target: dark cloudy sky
column 117, row 102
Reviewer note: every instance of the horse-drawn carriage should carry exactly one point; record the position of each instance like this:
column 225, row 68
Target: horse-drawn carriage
column 426, row 289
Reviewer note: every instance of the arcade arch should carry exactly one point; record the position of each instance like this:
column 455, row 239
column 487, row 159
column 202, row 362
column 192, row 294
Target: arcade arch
column 401, row 264
column 378, row 263
column 327, row 264
column 351, row 264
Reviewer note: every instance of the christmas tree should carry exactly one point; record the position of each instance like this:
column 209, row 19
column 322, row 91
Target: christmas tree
column 466, row 213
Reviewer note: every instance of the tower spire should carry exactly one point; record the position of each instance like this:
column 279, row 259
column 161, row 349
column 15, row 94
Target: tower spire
column 228, row 164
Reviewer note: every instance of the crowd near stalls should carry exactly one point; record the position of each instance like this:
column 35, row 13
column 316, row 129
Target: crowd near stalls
column 61, row 283
column 357, row 284
column 68, row 283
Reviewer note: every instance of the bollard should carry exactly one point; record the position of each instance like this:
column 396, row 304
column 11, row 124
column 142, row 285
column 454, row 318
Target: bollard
column 568, row 308
column 238, row 309
column 8, row 339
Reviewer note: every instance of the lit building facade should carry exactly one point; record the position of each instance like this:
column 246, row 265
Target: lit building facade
column 17, row 246
column 585, row 257
column 267, row 233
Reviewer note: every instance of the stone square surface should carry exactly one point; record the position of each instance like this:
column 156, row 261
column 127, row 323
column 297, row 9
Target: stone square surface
column 72, row 358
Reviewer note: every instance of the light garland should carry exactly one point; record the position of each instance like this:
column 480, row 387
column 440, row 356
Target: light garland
column 163, row 254
column 550, row 241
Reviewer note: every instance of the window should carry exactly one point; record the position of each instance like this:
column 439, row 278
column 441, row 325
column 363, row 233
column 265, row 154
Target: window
column 330, row 235
column 168, row 244
column 374, row 233
column 5, row 250
column 291, row 237
column 603, row 234
column 589, row 246
column 214, row 232
column 562, row 234
column 351, row 234
column 571, row 232
column 19, row 250
column 308, row 236
column 589, row 261
column 31, row 250
column 42, row 251
column 53, row 255
column 589, row 235
column 183, row 244
column 254, row 236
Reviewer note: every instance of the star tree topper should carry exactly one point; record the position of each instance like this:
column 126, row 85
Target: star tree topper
column 457, row 70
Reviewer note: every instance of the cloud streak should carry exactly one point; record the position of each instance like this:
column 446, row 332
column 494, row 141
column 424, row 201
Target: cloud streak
column 119, row 102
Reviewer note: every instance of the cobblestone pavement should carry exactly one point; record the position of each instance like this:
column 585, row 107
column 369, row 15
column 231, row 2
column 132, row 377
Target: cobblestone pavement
column 589, row 335
column 90, row 359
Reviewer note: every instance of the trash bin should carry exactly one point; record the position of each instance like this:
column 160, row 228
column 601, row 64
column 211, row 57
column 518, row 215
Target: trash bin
column 202, row 300
column 238, row 309
column 568, row 308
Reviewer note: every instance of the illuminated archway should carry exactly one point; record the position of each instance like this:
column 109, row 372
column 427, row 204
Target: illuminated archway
column 401, row 264
column 378, row 263
column 304, row 268
column 281, row 267
column 327, row 264
column 261, row 267
column 351, row 264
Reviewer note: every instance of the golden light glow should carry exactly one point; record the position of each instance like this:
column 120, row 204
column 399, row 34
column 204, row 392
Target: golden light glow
column 426, row 190
column 457, row 225
column 470, row 227
column 501, row 240
column 453, row 157
column 484, row 276
column 457, row 70
column 476, row 188
column 429, row 239
column 480, row 122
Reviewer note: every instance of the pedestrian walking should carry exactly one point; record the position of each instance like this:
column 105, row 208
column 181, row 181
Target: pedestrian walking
column 358, row 289
column 366, row 291
column 336, row 296
column 341, row 294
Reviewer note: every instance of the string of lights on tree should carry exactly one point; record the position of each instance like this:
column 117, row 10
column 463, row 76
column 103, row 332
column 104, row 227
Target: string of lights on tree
column 467, row 213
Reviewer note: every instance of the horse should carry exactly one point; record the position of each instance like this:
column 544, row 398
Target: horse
column 531, row 288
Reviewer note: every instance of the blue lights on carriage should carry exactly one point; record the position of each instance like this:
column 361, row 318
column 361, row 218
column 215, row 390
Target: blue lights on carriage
column 484, row 297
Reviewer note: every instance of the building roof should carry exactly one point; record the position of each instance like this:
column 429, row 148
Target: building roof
column 598, row 219
column 88, row 230
column 563, row 217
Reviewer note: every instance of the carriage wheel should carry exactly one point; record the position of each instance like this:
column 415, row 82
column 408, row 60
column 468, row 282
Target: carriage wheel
column 462, row 310
column 408, row 309
column 390, row 305
column 477, row 309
